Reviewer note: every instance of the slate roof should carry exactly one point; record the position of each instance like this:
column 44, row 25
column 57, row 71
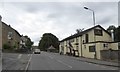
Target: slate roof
column 12, row 28
column 83, row 32
column 51, row 47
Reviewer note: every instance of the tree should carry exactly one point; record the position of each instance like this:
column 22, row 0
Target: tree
column 47, row 40
column 79, row 30
column 116, row 32
column 28, row 43
column 112, row 27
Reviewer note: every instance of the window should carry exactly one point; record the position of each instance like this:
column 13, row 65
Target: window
column 98, row 32
column 77, row 39
column 91, row 48
column 62, row 48
column 85, row 46
column 83, row 41
column 86, row 38
column 9, row 35
column 67, row 41
column 77, row 47
column 72, row 40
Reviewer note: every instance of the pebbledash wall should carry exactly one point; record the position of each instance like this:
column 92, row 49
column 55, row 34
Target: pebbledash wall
column 89, row 42
column 10, row 36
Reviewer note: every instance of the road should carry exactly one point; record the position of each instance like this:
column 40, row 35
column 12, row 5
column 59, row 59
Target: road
column 54, row 61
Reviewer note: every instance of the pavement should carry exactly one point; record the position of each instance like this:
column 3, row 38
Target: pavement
column 100, row 62
column 96, row 61
column 54, row 61
column 14, row 61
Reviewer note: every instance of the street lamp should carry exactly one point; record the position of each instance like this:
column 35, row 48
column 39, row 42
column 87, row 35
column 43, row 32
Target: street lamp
column 93, row 14
column 94, row 25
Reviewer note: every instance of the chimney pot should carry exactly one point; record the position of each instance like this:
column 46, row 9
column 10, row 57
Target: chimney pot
column 112, row 35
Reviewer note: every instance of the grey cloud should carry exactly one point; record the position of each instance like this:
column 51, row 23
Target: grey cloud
column 106, row 20
column 37, row 39
column 101, row 6
column 119, row 13
column 65, row 17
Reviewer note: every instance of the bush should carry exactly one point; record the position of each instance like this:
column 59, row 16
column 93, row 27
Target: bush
column 14, row 46
column 6, row 46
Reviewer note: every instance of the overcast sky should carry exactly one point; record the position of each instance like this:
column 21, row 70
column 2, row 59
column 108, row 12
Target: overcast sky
column 59, row 18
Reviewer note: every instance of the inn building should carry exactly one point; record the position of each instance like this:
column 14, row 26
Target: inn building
column 88, row 43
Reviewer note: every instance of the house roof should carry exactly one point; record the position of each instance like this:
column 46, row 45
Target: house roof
column 12, row 28
column 83, row 32
column 51, row 47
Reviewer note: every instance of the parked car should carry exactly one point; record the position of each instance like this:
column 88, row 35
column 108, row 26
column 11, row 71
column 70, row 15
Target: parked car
column 37, row 51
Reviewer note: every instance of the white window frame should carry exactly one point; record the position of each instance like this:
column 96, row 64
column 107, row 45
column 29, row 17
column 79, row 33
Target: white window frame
column 10, row 35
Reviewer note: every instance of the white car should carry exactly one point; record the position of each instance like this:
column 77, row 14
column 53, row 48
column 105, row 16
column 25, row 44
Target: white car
column 37, row 51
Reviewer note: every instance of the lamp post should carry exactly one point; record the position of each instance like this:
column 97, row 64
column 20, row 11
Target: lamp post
column 94, row 25
column 93, row 14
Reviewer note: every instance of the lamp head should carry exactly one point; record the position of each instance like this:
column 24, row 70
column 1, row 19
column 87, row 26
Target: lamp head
column 85, row 8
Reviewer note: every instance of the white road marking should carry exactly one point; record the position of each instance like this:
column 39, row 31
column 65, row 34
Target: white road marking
column 19, row 56
column 51, row 57
column 28, row 63
column 64, row 63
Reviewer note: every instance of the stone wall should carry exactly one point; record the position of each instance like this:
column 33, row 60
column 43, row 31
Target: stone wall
column 110, row 54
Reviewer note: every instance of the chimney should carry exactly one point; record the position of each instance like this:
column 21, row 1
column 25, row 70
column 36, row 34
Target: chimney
column 112, row 35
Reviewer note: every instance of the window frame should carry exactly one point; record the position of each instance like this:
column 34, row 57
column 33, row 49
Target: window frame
column 92, row 50
column 10, row 35
column 86, row 38
column 98, row 32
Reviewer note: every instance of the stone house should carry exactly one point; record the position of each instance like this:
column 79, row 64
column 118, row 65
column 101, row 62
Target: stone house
column 10, row 36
